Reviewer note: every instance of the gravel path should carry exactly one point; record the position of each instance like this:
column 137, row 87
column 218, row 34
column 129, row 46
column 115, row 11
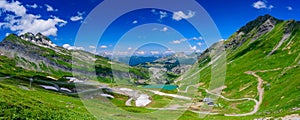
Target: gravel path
column 260, row 93
column 260, row 90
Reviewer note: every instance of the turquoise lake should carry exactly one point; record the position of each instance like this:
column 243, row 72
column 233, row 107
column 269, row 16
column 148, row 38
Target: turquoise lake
column 165, row 87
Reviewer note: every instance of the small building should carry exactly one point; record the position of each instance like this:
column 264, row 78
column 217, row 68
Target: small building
column 207, row 100
column 211, row 103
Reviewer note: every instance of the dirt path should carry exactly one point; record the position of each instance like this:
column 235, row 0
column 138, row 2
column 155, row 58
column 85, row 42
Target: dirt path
column 186, row 89
column 257, row 102
column 260, row 93
column 260, row 90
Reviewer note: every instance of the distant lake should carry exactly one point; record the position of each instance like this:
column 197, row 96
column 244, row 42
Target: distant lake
column 165, row 87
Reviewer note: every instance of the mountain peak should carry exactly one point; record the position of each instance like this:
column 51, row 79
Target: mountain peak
column 266, row 16
column 257, row 22
column 38, row 39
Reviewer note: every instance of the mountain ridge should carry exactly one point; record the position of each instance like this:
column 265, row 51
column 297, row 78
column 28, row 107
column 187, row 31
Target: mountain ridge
column 38, row 53
column 263, row 59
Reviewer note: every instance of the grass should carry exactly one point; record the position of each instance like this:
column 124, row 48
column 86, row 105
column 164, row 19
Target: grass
column 282, row 85
column 37, row 103
column 252, row 57
column 159, row 101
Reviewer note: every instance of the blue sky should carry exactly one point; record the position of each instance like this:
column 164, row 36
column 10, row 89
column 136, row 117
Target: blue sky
column 62, row 20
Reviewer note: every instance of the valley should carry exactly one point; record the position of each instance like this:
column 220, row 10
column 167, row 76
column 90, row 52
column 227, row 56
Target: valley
column 41, row 80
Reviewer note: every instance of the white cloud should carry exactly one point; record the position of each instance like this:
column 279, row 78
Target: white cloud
column 169, row 51
column 6, row 34
column 14, row 7
column 78, row 17
column 50, row 8
column 154, row 52
column 289, row 8
column 92, row 47
column 259, row 5
column 69, row 47
column 179, row 41
column 262, row 5
column 165, row 29
column 103, row 46
column 176, row 42
column 163, row 14
column 181, row 15
column 20, row 22
column 200, row 38
column 153, row 10
column 193, row 48
column 32, row 6
column 199, row 44
column 66, row 46
column 196, row 38
column 198, row 51
column 129, row 48
column 270, row 7
column 185, row 39
column 141, row 52
column 135, row 22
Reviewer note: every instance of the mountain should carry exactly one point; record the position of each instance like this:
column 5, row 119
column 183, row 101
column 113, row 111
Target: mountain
column 263, row 59
column 136, row 60
column 37, row 53
column 165, row 70
column 261, row 81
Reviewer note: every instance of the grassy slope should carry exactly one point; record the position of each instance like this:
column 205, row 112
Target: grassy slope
column 70, row 59
column 46, row 104
column 253, row 57
column 36, row 103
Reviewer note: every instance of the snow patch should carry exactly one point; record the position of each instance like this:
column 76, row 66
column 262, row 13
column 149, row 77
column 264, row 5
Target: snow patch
column 49, row 87
column 65, row 89
column 142, row 100
column 107, row 95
